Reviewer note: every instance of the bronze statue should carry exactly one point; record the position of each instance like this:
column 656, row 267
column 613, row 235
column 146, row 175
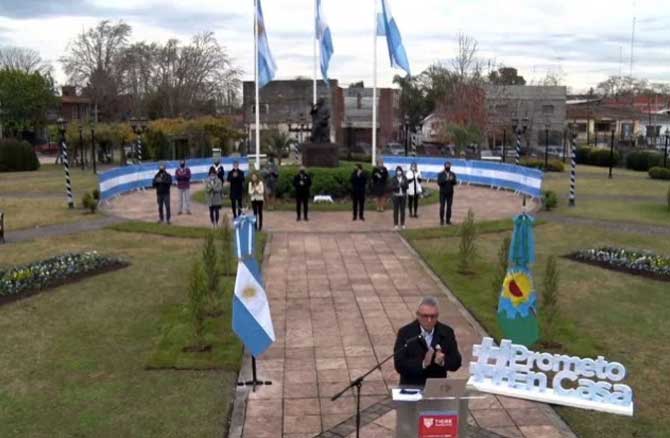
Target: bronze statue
column 320, row 122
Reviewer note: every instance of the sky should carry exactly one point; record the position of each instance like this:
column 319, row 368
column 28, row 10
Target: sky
column 583, row 41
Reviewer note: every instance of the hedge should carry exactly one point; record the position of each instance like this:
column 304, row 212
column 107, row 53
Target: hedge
column 17, row 156
column 659, row 173
column 643, row 160
column 334, row 181
column 537, row 163
column 596, row 157
column 582, row 154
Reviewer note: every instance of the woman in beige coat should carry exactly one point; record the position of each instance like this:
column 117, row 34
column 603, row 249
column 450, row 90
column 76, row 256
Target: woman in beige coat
column 257, row 196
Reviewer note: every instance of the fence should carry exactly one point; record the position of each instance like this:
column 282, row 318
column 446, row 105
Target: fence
column 138, row 176
column 495, row 175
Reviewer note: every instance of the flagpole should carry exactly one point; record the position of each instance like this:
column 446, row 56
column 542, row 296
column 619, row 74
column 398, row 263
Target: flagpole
column 258, row 113
column 374, row 88
column 316, row 55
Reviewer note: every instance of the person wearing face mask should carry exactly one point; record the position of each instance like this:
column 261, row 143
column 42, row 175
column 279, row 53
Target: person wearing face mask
column 236, row 180
column 399, row 187
column 218, row 170
column 414, row 189
column 380, row 176
column 162, row 182
column 183, row 176
column 446, row 180
column 302, row 183
column 214, row 192
column 359, row 181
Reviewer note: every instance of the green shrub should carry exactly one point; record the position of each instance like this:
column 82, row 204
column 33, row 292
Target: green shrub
column 325, row 181
column 197, row 294
column 89, row 202
column 643, row 160
column 601, row 157
column 659, row 173
column 467, row 249
column 96, row 194
column 582, row 154
column 227, row 258
column 501, row 269
column 211, row 265
column 549, row 200
column 17, row 156
column 549, row 296
column 553, row 165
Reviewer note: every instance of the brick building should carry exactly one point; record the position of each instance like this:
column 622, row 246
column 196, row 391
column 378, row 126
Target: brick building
column 75, row 107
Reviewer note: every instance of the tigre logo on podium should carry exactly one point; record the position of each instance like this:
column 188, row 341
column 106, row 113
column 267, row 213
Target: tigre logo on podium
column 439, row 424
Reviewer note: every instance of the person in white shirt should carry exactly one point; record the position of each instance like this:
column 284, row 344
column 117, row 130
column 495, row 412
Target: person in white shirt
column 414, row 189
column 257, row 196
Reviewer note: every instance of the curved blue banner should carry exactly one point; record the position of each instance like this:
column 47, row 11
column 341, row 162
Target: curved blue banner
column 495, row 175
column 138, row 176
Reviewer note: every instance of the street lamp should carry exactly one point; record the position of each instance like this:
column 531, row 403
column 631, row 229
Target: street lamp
column 406, row 134
column 93, row 148
column 81, row 145
column 62, row 127
column 665, row 154
column 139, row 126
column 546, row 146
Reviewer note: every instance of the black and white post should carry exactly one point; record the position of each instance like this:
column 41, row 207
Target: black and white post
column 519, row 126
column 139, row 126
column 66, row 163
column 573, row 166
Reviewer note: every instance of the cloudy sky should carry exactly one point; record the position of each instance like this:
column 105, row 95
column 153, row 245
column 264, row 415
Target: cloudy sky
column 583, row 40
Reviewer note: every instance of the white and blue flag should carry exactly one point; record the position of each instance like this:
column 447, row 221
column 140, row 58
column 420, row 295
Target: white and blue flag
column 325, row 41
column 389, row 28
column 266, row 63
column 252, row 321
column 245, row 236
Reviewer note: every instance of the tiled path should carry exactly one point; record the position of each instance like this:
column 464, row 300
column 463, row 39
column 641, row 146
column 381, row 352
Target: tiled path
column 337, row 301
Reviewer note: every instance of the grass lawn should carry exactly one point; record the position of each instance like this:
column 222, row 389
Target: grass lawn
column 45, row 203
column 74, row 357
column 616, row 315
column 592, row 181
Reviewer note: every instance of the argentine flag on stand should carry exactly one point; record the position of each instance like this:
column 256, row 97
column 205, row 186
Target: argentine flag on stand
column 386, row 25
column 325, row 41
column 252, row 321
column 266, row 63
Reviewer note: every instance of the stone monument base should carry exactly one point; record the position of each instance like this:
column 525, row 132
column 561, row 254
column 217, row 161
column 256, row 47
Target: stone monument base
column 320, row 155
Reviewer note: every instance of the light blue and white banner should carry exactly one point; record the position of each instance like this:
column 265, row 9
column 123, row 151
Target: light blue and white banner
column 252, row 321
column 245, row 236
column 495, row 175
column 325, row 40
column 138, row 176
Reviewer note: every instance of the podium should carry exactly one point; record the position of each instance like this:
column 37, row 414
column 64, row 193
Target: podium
column 439, row 410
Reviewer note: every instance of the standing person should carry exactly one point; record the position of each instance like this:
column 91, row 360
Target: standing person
column 426, row 347
column 236, row 180
column 162, row 182
column 302, row 183
column 183, row 176
column 414, row 190
column 256, row 194
column 380, row 175
column 271, row 177
column 359, row 180
column 218, row 169
column 446, row 180
column 214, row 192
column 399, row 192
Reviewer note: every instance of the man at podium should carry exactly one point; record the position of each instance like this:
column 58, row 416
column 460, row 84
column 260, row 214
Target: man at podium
column 425, row 348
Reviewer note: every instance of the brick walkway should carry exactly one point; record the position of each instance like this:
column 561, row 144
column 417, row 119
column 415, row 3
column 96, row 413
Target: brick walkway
column 337, row 301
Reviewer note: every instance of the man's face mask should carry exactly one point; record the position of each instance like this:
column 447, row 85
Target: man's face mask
column 182, row 164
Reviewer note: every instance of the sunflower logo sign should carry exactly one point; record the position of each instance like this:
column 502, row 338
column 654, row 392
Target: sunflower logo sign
column 517, row 306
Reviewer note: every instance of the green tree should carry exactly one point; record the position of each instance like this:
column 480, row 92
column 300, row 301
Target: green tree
column 276, row 144
column 25, row 99
column 467, row 248
column 500, row 269
column 550, row 308
column 197, row 295
column 506, row 76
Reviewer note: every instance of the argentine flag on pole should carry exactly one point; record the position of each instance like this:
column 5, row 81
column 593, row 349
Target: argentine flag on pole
column 325, row 40
column 266, row 63
column 386, row 25
column 252, row 321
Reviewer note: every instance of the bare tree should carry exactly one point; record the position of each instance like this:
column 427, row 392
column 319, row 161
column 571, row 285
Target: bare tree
column 93, row 59
column 466, row 64
column 23, row 59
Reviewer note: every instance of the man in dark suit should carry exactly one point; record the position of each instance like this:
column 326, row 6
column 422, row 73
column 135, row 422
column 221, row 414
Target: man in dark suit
column 359, row 180
column 446, row 180
column 236, row 180
column 432, row 354
column 302, row 183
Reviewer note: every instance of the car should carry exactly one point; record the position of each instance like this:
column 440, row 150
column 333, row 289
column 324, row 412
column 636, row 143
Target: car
column 395, row 149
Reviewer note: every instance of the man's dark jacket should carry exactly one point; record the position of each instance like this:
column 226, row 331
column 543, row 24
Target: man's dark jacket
column 408, row 362
column 446, row 181
column 162, row 182
column 302, row 183
column 236, row 180
column 359, row 183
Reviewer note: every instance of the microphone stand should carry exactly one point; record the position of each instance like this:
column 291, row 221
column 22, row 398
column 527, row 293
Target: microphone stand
column 358, row 382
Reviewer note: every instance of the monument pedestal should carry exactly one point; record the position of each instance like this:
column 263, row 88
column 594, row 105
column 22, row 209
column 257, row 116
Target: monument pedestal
column 439, row 411
column 320, row 155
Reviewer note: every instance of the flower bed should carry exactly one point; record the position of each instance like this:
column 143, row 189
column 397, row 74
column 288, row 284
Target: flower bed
column 25, row 280
column 624, row 260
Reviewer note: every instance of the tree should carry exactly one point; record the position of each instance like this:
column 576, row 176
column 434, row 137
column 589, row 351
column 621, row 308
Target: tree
column 466, row 64
column 413, row 102
column 25, row 99
column 276, row 144
column 93, row 62
column 506, row 76
column 23, row 59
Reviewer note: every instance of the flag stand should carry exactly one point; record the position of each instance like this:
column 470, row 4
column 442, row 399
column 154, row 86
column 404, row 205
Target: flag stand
column 254, row 378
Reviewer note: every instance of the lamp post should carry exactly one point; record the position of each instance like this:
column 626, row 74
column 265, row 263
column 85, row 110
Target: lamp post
column 406, row 135
column 665, row 154
column 546, row 146
column 62, row 125
column 519, row 126
column 504, row 141
column 81, row 145
column 93, row 148
column 573, row 164
column 611, row 153
column 139, row 126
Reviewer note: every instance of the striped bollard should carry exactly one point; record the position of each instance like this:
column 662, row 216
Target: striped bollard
column 573, row 173
column 68, row 182
column 517, row 158
column 139, row 149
